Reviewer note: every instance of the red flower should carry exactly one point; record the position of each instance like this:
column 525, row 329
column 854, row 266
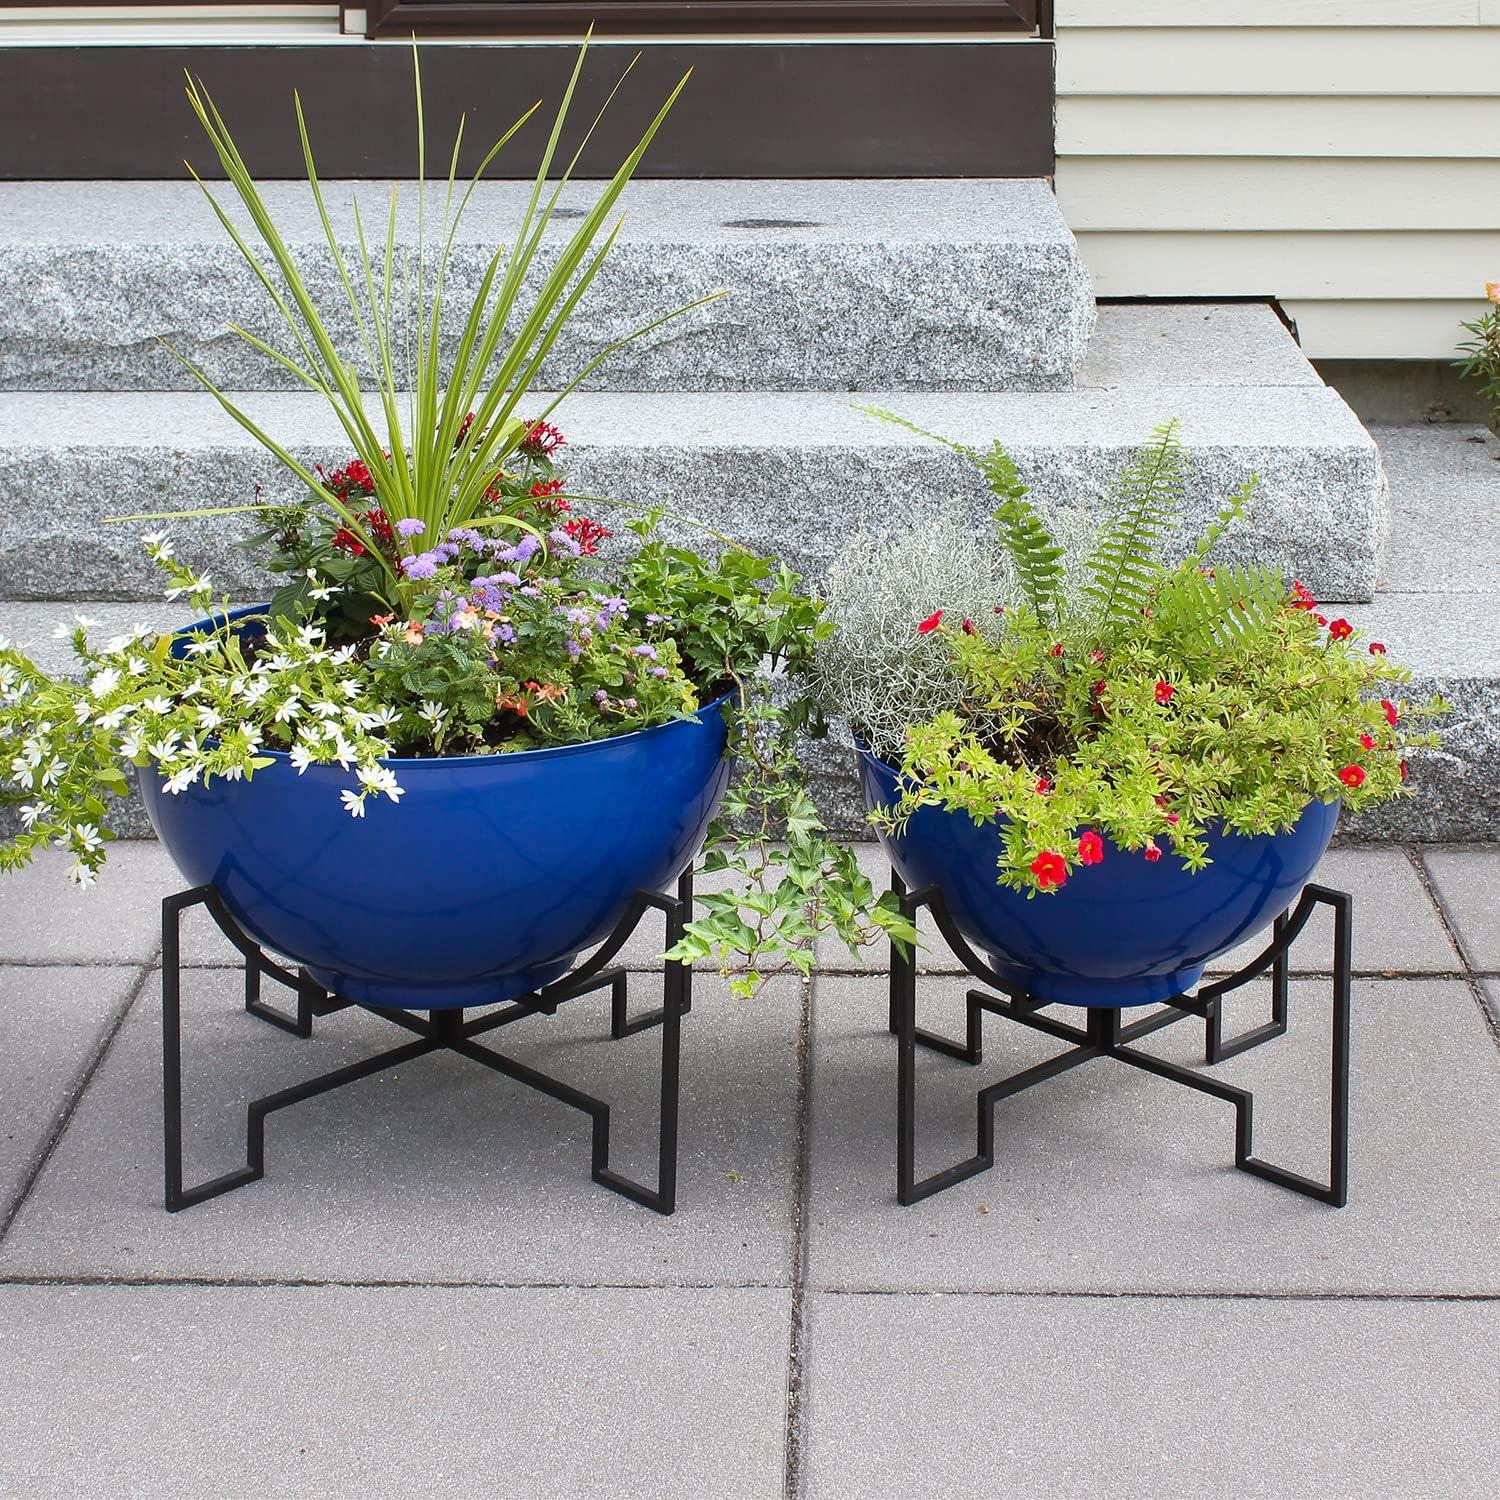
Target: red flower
column 587, row 533
column 346, row 541
column 1165, row 692
column 1056, row 650
column 1321, row 619
column 1152, row 852
column 541, row 439
column 1096, row 656
column 1043, row 785
column 1352, row 776
column 1172, row 819
column 1391, row 716
column 542, row 488
column 1403, row 770
column 1090, row 849
column 1049, row 870
column 1302, row 597
column 931, row 623
column 1376, row 649
column 1340, row 630
column 968, row 627
column 1367, row 742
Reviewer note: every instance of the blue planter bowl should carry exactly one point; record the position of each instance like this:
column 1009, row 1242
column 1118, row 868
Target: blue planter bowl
column 1122, row 932
column 487, row 880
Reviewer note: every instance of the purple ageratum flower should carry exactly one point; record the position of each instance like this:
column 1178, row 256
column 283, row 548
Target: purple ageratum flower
column 511, row 578
column 574, row 650
column 530, row 591
column 656, row 619
column 631, row 703
column 657, row 672
column 505, row 635
column 527, row 548
column 411, row 526
column 644, row 650
column 423, row 565
column 601, row 696
column 462, row 534
column 560, row 538
column 446, row 550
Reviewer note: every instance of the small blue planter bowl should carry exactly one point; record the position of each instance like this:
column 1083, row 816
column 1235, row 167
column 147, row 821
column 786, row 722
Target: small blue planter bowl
column 1122, row 932
column 487, row 880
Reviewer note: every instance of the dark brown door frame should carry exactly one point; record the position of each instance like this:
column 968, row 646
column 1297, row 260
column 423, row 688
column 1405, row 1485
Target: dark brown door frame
column 784, row 17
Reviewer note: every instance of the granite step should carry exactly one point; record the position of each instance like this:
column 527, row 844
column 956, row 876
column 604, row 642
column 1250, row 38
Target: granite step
column 1440, row 614
column 793, row 472
column 835, row 285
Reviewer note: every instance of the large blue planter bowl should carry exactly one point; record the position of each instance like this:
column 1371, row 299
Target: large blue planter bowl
column 1122, row 932
column 491, row 875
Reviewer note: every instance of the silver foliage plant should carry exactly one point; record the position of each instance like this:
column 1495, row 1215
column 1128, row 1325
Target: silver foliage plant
column 876, row 670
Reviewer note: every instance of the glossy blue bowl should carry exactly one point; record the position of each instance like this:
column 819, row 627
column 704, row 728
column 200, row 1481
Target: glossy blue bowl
column 487, row 880
column 1122, row 932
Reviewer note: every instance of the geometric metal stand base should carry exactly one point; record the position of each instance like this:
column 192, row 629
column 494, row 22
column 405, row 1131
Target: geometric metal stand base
column 443, row 1030
column 1105, row 1035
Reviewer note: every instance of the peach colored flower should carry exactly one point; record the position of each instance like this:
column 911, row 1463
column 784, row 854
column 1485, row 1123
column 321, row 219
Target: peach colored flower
column 1492, row 291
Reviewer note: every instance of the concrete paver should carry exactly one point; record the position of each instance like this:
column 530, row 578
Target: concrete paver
column 1467, row 882
column 1148, row 1398
column 547, row 1394
column 441, row 1170
column 52, row 1022
column 1109, row 1179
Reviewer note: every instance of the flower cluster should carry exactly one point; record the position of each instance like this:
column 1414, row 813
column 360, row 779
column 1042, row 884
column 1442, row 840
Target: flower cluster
column 1148, row 707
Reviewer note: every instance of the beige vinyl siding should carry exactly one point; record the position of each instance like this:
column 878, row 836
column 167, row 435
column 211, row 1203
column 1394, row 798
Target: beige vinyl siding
column 1341, row 155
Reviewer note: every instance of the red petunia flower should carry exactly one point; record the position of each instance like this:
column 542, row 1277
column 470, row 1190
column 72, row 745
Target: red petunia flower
column 1367, row 742
column 1376, row 649
column 1049, row 870
column 1152, row 852
column 1301, row 596
column 1391, row 716
column 1043, row 785
column 1096, row 656
column 1056, row 650
column 1403, row 770
column 968, row 627
column 1352, row 776
column 931, row 623
column 1090, row 849
column 1340, row 630
column 1165, row 692
column 1321, row 619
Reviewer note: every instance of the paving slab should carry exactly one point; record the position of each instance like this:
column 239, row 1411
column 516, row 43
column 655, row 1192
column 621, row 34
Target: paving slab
column 1396, row 927
column 1111, row 1180
column 52, row 1024
column 384, row 1392
column 832, row 284
column 44, row 918
column 438, row 1170
column 1467, row 882
column 1149, row 1399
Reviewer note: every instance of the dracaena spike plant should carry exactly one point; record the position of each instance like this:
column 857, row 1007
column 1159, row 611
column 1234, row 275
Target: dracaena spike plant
column 446, row 427
column 443, row 597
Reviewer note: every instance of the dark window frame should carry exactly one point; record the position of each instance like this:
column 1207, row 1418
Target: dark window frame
column 783, row 17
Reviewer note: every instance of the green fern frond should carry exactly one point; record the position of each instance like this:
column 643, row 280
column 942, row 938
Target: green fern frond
column 1126, row 564
column 1208, row 611
column 1234, row 508
column 1033, row 549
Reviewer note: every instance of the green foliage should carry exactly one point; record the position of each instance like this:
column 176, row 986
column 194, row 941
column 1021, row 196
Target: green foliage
column 1481, row 353
column 1169, row 702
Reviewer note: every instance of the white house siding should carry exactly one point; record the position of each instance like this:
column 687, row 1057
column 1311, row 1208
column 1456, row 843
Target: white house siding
column 1340, row 155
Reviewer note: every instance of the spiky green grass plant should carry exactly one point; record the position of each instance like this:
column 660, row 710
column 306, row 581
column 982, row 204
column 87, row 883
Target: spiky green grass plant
column 428, row 462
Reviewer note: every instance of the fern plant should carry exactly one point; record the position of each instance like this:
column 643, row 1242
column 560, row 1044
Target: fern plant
column 1150, row 703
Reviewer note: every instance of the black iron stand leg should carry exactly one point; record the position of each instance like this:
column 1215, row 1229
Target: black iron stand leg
column 620, row 1024
column 1215, row 1048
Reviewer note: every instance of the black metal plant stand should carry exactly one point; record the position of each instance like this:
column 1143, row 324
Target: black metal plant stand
column 442, row 1030
column 1106, row 1035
